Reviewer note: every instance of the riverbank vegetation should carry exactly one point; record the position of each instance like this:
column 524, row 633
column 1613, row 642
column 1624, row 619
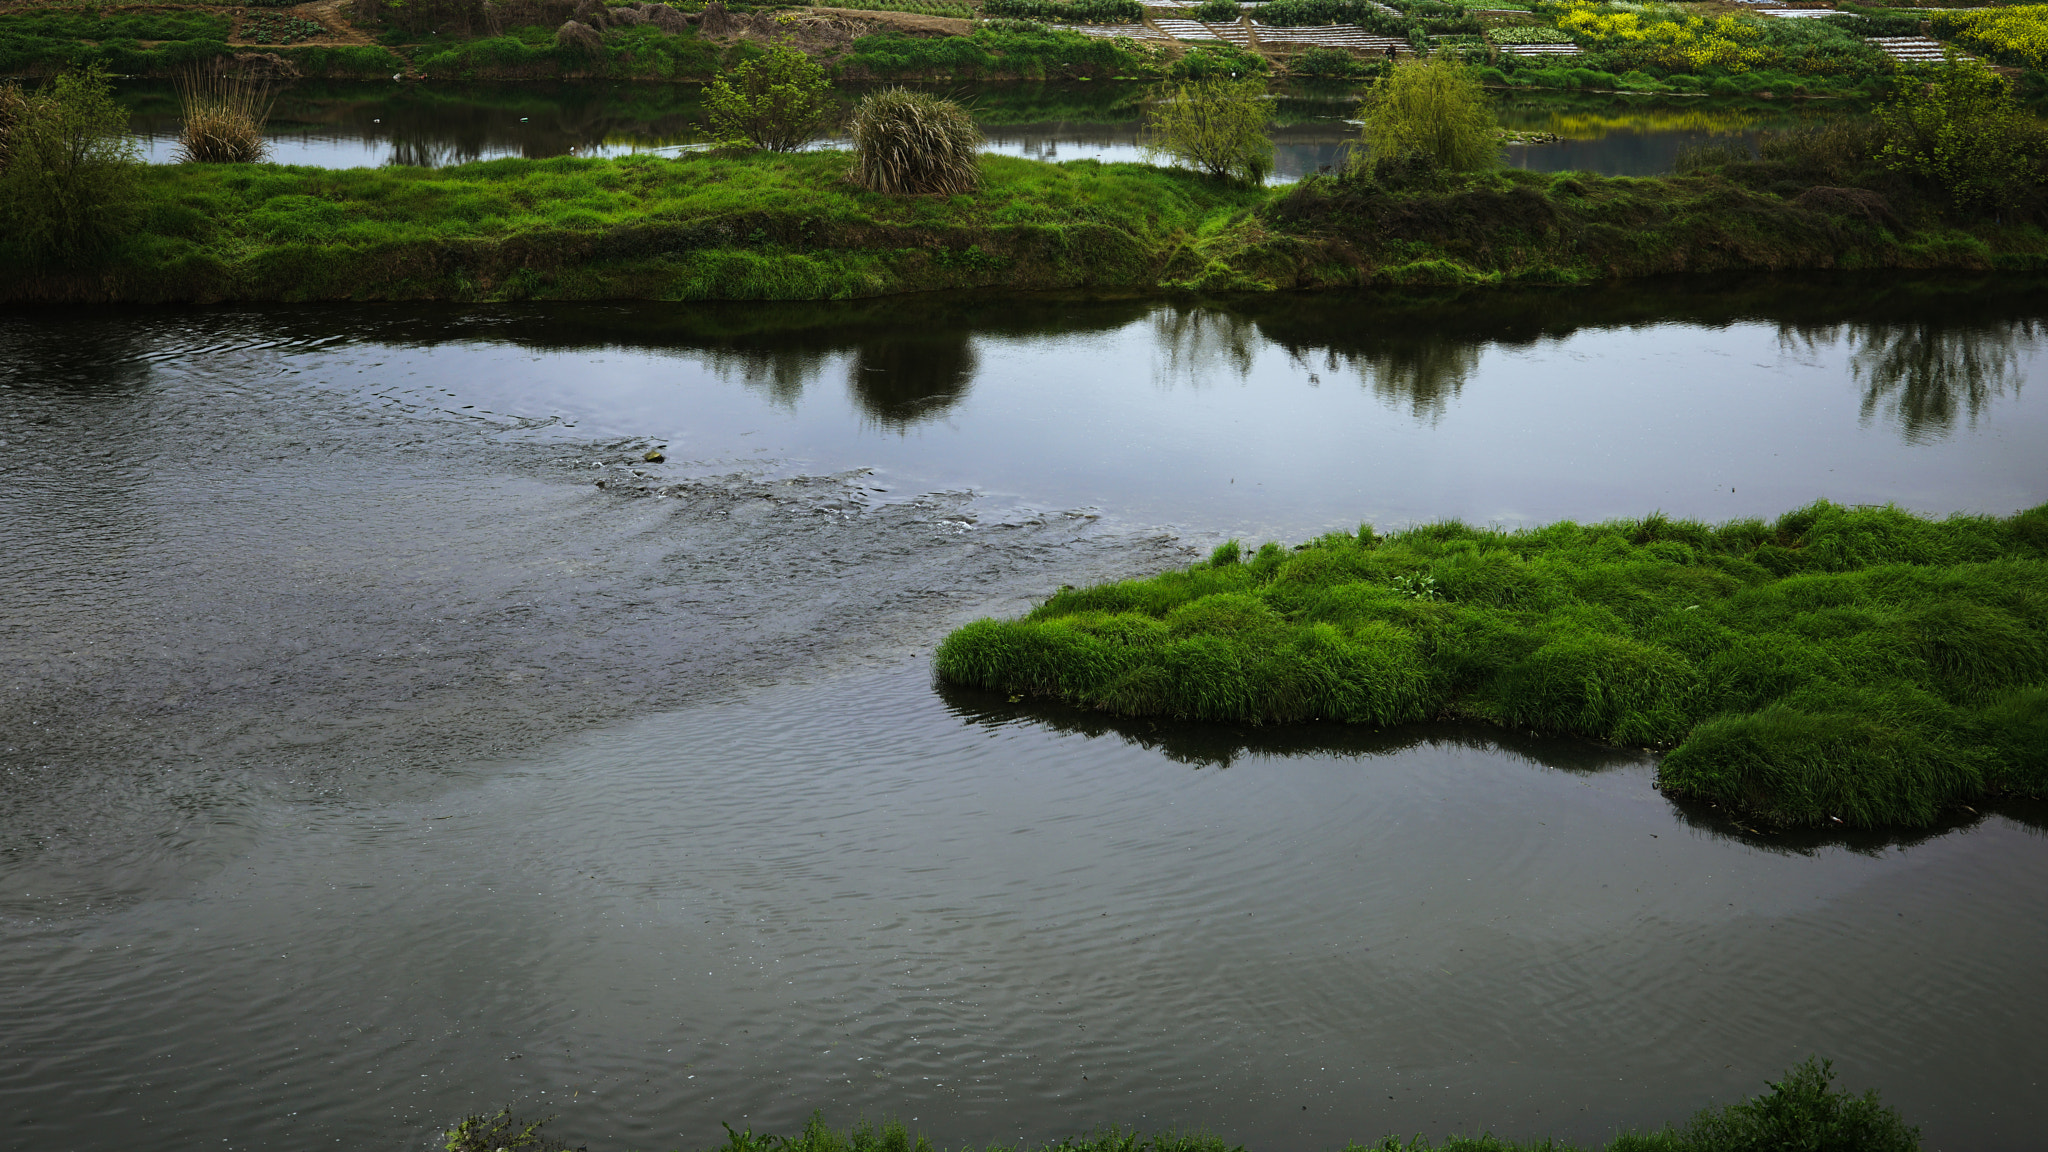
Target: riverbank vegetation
column 1919, row 189
column 1614, row 45
column 1801, row 1112
column 1838, row 667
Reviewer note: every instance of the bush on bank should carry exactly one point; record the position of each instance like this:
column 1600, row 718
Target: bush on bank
column 1859, row 667
column 1801, row 1112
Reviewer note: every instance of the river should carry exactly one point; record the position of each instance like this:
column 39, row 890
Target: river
column 367, row 762
column 360, row 124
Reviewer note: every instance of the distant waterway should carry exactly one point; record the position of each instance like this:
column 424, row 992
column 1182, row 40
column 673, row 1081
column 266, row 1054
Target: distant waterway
column 384, row 737
column 352, row 124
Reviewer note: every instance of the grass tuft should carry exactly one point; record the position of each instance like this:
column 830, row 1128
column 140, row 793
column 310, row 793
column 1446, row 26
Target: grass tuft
column 1859, row 667
column 223, row 117
column 913, row 143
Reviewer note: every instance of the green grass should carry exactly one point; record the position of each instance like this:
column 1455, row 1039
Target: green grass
column 991, row 53
column 1860, row 667
column 742, row 226
column 746, row 226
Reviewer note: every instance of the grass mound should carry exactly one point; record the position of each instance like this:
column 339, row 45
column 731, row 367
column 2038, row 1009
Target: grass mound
column 1862, row 667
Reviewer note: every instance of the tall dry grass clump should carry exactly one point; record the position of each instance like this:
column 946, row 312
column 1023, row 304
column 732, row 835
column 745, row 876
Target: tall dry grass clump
column 224, row 115
column 906, row 143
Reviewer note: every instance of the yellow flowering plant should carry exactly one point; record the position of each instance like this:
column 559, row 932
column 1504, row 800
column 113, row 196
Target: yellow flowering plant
column 2017, row 35
column 1665, row 38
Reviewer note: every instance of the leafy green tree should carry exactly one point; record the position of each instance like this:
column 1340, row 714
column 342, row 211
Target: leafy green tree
column 1216, row 125
column 1433, row 110
column 780, row 101
column 67, row 169
column 1963, row 132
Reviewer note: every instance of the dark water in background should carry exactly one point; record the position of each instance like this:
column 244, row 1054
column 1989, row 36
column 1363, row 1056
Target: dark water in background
column 343, row 125
column 364, row 763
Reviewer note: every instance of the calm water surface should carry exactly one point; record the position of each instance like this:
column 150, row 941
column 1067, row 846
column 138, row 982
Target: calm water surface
column 364, row 762
column 347, row 125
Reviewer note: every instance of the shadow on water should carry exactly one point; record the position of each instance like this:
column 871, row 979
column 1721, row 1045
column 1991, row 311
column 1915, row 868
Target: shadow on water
column 1928, row 351
column 1210, row 745
column 1922, row 375
column 1200, row 744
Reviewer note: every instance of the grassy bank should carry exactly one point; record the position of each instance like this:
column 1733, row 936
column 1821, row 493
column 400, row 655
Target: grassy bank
column 1801, row 1112
column 790, row 227
column 1858, row 667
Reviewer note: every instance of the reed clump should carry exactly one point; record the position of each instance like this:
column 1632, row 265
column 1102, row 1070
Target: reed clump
column 1859, row 667
column 224, row 114
column 913, row 143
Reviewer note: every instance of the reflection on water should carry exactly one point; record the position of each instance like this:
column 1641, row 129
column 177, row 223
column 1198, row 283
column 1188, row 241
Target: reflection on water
column 1922, row 374
column 1292, row 414
column 356, row 124
column 365, row 763
column 1200, row 744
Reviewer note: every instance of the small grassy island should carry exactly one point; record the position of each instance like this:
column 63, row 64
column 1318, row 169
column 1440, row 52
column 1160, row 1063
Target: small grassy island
column 1841, row 667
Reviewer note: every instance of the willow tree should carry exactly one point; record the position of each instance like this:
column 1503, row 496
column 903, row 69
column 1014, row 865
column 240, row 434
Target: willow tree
column 1432, row 110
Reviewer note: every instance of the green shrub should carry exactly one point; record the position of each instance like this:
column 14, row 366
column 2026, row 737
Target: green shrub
column 1963, row 133
column 1304, row 13
column 779, row 102
column 1801, row 1113
column 1219, row 11
column 1213, row 61
column 1214, row 125
column 1334, row 62
column 69, row 176
column 1433, row 110
column 909, row 143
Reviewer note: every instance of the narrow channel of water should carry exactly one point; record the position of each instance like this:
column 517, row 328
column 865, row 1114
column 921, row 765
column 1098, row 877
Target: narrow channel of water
column 365, row 762
column 347, row 125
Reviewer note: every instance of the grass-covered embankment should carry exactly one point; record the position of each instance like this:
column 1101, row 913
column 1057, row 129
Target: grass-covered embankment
column 790, row 227
column 1860, row 666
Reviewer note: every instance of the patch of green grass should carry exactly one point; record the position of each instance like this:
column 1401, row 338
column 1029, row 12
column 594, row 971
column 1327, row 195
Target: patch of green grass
column 638, row 227
column 747, row 226
column 994, row 52
column 115, row 25
column 1862, row 667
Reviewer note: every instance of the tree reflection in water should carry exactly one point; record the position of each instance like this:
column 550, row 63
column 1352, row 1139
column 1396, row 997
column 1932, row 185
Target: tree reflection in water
column 900, row 382
column 1200, row 340
column 896, row 380
column 1923, row 374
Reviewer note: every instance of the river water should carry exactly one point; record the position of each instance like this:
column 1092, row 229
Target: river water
column 364, row 762
column 359, row 124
